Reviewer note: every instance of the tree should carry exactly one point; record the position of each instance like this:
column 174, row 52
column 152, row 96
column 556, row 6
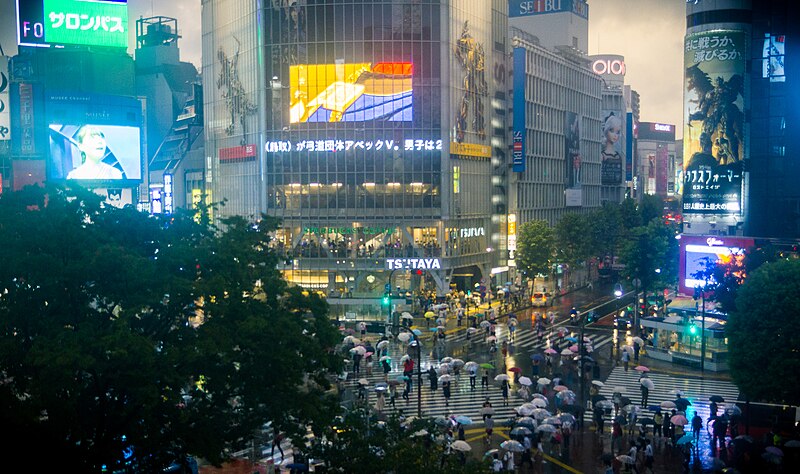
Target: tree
column 650, row 254
column 631, row 218
column 130, row 339
column 535, row 248
column 726, row 277
column 359, row 443
column 651, row 207
column 607, row 230
column 762, row 344
column 573, row 238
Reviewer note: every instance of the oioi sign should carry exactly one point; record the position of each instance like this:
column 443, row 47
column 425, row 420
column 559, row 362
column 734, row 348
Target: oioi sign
column 72, row 22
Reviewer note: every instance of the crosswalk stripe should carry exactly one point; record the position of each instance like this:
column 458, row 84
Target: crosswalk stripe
column 697, row 391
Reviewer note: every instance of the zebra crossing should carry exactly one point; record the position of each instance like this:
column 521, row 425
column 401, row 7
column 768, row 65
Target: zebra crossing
column 463, row 399
column 697, row 391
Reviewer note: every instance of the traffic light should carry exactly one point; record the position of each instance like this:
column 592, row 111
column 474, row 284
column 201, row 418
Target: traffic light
column 693, row 330
column 386, row 300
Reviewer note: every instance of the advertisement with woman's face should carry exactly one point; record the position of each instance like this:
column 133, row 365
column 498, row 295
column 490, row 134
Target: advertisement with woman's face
column 95, row 152
column 611, row 152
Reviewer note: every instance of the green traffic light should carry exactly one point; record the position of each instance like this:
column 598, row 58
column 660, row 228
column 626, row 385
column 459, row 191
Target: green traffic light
column 693, row 329
column 386, row 301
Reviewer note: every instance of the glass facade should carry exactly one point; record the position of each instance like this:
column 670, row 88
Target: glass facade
column 373, row 126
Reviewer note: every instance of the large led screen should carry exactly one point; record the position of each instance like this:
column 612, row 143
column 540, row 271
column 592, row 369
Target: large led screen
column 694, row 250
column 78, row 22
column 348, row 92
column 713, row 137
column 94, row 152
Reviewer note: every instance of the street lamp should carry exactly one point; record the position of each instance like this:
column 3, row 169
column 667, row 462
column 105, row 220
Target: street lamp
column 415, row 345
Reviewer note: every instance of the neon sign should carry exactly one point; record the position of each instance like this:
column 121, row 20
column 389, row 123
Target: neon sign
column 347, row 144
column 609, row 66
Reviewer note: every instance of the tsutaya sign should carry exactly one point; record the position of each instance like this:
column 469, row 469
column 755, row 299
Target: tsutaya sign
column 413, row 264
column 472, row 232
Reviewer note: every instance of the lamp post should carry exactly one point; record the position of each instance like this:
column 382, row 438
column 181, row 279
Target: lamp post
column 414, row 344
column 582, row 365
column 636, row 283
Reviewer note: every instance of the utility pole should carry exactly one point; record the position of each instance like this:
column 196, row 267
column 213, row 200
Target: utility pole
column 415, row 344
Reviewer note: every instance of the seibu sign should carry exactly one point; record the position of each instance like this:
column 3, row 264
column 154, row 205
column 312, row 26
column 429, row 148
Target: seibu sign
column 605, row 66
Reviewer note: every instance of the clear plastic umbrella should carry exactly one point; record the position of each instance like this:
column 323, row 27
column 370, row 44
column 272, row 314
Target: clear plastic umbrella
column 513, row 446
column 546, row 428
column 525, row 381
column 460, row 445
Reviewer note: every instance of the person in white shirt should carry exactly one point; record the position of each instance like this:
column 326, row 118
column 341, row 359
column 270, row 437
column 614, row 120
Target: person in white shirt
column 648, row 456
column 92, row 144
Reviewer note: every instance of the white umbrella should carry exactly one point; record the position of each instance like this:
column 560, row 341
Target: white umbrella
column 471, row 330
column 543, row 381
column 360, row 349
column 469, row 365
column 461, row 446
column 404, row 358
column 485, row 324
column 638, row 340
column 539, row 402
column 540, row 396
column 525, row 381
column 598, row 383
column 363, row 381
column 382, row 344
column 491, row 338
column 384, row 358
column 667, row 405
column 541, row 414
column 547, row 428
column 619, row 390
column 406, row 315
column 404, row 336
column 447, row 360
column 351, row 340
column 445, row 378
column 566, row 352
column 500, row 377
column 648, row 383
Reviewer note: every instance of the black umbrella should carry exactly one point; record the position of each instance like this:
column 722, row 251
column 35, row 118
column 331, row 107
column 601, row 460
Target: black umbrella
column 621, row 420
column 598, row 397
column 716, row 398
column 607, row 457
column 682, row 403
column 647, row 421
column 624, row 401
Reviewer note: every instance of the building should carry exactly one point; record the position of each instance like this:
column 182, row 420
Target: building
column 741, row 159
column 557, row 109
column 615, row 159
column 655, row 147
column 67, row 88
column 373, row 130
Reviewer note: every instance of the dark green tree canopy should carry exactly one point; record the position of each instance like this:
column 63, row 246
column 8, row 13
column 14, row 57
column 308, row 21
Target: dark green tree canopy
column 764, row 347
column 163, row 335
column 650, row 254
column 535, row 248
column 574, row 238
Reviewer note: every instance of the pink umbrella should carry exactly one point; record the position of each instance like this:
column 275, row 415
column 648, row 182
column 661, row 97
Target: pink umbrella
column 574, row 348
column 550, row 351
column 641, row 368
column 560, row 388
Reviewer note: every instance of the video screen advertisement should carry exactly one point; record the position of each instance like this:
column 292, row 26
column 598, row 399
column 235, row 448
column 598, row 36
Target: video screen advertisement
column 94, row 139
column 694, row 249
column 343, row 92
column 713, row 137
column 45, row 23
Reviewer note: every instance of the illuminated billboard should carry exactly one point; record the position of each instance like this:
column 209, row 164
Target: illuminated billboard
column 518, row 8
column 713, row 137
column 612, row 154
column 572, row 148
column 351, row 92
column 72, row 22
column 695, row 249
column 95, row 152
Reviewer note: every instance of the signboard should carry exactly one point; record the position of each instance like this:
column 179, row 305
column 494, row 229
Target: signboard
column 339, row 144
column 629, row 147
column 572, row 149
column 774, row 54
column 237, row 154
column 512, row 236
column 713, row 136
column 351, row 92
column 413, row 264
column 348, row 230
column 520, row 8
column 695, row 248
column 168, row 201
column 611, row 153
column 72, row 22
column 470, row 149
column 5, row 106
column 518, row 151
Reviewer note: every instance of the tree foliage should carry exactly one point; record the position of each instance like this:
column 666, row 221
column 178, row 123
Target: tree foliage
column 651, row 207
column 159, row 336
column 535, row 248
column 607, row 231
column 762, row 342
column 360, row 443
column 650, row 254
column 574, row 238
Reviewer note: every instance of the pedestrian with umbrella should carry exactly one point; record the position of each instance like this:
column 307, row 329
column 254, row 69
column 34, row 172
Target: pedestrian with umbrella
column 446, row 392
column 433, row 378
column 485, row 379
column 626, row 358
column 644, row 385
column 473, row 375
column 697, row 425
column 504, row 387
column 386, row 364
column 658, row 420
column 486, row 410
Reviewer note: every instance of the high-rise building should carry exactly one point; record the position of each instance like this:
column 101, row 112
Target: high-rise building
column 375, row 132
column 655, row 146
column 556, row 114
column 741, row 160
